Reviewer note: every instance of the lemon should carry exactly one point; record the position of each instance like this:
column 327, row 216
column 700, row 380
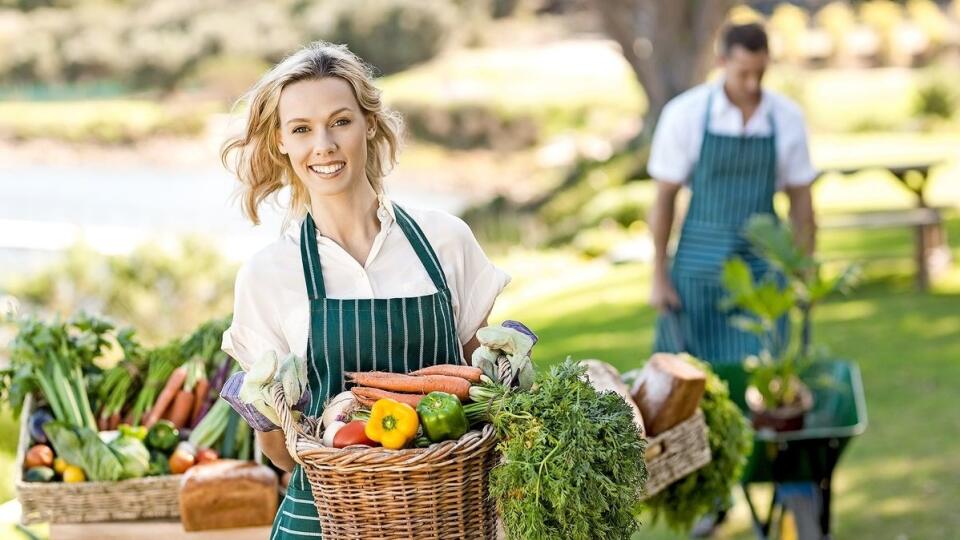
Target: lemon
column 60, row 465
column 73, row 474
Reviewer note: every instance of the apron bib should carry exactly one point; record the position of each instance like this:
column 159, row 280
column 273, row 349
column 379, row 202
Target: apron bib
column 381, row 334
column 735, row 178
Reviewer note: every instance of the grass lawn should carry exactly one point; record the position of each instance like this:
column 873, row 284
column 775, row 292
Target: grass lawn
column 897, row 480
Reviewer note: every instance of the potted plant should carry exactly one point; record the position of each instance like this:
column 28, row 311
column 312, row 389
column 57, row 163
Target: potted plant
column 777, row 308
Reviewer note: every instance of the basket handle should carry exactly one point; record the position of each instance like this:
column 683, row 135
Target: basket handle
column 291, row 431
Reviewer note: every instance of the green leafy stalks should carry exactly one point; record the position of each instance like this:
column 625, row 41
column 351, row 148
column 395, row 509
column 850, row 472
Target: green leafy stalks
column 731, row 441
column 57, row 360
column 573, row 464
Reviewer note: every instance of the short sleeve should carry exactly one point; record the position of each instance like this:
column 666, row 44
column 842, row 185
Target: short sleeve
column 795, row 167
column 669, row 160
column 479, row 282
column 256, row 324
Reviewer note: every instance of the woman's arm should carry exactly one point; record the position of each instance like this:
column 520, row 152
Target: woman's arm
column 274, row 446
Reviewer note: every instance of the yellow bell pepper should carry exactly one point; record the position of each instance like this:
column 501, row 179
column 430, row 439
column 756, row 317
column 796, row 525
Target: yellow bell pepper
column 392, row 424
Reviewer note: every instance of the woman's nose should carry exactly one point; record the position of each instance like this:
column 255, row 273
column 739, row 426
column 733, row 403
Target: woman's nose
column 323, row 143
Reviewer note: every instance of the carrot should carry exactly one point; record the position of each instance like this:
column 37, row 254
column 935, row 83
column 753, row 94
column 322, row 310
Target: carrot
column 200, row 392
column 469, row 373
column 368, row 396
column 179, row 410
column 114, row 421
column 410, row 384
column 174, row 383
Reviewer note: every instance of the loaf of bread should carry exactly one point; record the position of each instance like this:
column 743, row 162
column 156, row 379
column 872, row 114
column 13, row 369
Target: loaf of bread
column 605, row 378
column 668, row 391
column 227, row 494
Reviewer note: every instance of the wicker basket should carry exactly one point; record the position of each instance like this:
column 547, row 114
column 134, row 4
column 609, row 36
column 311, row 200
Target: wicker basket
column 436, row 492
column 677, row 452
column 56, row 502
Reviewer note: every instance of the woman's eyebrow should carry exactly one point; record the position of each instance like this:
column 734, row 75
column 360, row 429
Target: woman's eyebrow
column 334, row 113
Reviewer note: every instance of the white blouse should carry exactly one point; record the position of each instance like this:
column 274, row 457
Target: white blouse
column 272, row 310
column 677, row 139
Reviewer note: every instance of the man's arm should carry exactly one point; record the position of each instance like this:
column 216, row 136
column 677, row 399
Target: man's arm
column 663, row 296
column 802, row 218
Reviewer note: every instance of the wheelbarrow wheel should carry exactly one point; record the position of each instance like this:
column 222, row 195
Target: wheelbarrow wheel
column 800, row 519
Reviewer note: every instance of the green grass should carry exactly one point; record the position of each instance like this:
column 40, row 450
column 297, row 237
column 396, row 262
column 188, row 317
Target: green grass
column 897, row 480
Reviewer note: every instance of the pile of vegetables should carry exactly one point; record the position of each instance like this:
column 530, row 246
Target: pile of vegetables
column 731, row 441
column 109, row 408
column 573, row 458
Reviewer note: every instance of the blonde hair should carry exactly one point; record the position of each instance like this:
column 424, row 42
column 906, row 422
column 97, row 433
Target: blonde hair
column 254, row 156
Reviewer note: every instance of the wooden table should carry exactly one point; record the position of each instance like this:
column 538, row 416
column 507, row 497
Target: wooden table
column 931, row 250
column 149, row 530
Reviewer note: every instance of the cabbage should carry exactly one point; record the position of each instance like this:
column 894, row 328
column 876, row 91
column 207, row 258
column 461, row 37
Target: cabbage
column 133, row 455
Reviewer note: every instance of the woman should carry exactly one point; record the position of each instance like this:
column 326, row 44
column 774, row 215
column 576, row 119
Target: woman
column 355, row 283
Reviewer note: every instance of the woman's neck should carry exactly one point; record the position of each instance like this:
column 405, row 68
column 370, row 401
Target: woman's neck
column 349, row 219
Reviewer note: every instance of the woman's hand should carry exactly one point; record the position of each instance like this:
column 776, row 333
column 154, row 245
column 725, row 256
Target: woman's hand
column 663, row 297
column 274, row 446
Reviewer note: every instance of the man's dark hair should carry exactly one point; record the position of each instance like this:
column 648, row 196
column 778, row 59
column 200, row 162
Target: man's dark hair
column 751, row 37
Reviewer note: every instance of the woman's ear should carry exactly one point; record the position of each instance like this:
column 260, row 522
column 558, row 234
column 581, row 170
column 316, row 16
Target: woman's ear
column 280, row 145
column 371, row 126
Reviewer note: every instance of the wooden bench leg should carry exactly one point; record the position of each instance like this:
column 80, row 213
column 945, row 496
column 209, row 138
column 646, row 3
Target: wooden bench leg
column 921, row 259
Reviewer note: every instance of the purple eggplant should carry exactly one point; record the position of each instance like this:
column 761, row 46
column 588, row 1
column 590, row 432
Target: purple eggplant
column 36, row 422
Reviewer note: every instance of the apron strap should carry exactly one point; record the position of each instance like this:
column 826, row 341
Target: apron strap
column 310, row 258
column 422, row 247
column 706, row 117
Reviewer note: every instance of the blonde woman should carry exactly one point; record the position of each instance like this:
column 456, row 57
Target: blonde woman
column 355, row 282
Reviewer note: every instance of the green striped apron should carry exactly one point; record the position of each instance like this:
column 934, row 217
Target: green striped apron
column 735, row 178
column 384, row 334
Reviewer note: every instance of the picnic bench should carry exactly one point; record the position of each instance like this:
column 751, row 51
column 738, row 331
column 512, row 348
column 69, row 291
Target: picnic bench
column 931, row 249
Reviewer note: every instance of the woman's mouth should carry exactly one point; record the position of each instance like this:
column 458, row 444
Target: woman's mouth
column 327, row 170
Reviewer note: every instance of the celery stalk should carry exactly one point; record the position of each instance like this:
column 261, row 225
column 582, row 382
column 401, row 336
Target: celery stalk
column 81, row 389
column 52, row 397
column 62, row 385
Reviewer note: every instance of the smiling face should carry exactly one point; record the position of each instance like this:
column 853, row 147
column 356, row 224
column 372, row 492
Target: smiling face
column 324, row 133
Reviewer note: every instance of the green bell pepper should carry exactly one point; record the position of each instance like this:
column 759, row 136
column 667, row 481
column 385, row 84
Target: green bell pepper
column 163, row 436
column 158, row 464
column 442, row 416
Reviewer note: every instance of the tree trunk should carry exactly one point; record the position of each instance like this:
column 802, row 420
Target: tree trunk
column 668, row 43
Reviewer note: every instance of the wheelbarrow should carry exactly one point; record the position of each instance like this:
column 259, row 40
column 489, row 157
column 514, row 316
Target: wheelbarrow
column 808, row 455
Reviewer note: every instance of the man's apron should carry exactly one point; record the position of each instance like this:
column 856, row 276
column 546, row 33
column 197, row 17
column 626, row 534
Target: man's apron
column 735, row 178
column 390, row 334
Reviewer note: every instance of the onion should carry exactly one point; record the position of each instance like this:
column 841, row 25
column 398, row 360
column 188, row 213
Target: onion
column 331, row 433
column 339, row 407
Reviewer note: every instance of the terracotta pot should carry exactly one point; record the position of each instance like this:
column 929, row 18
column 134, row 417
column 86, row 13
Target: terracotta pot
column 785, row 418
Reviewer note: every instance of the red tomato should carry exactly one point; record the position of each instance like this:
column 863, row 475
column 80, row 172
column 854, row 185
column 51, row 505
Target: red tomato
column 206, row 455
column 352, row 433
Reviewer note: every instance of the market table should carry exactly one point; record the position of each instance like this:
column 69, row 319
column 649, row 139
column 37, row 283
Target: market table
column 147, row 530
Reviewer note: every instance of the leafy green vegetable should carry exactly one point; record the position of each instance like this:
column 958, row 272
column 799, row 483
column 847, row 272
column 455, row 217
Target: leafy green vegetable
column 731, row 441
column 133, row 456
column 573, row 464
column 56, row 359
column 82, row 447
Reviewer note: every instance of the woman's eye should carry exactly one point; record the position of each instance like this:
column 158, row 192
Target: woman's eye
column 300, row 129
column 341, row 122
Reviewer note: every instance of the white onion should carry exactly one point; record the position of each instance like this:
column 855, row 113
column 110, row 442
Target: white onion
column 339, row 407
column 331, row 433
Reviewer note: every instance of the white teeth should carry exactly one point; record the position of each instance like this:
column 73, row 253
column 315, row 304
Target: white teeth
column 327, row 169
